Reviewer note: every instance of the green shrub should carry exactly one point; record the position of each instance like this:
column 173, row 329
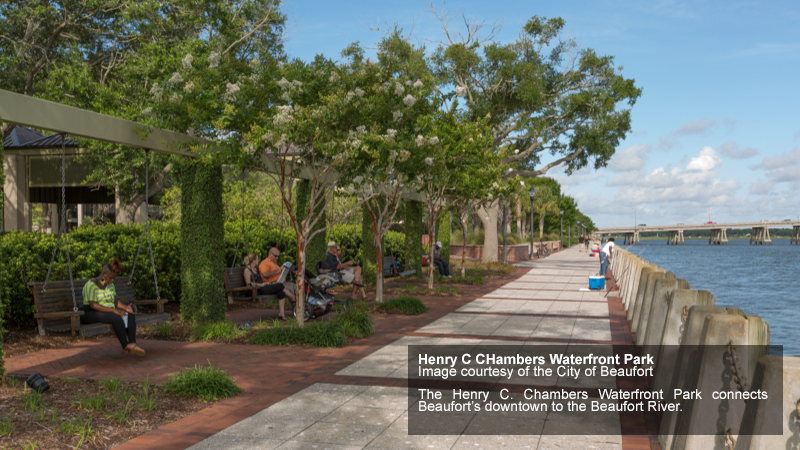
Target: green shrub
column 7, row 425
column 356, row 321
column 216, row 331
column 279, row 335
column 32, row 400
column 95, row 402
column 205, row 382
column 327, row 334
column 26, row 256
column 405, row 305
column 164, row 329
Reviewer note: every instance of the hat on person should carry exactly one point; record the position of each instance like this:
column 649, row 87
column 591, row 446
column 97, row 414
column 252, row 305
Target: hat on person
column 438, row 243
column 331, row 244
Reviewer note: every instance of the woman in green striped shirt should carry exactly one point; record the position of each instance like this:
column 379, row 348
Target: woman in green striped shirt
column 100, row 306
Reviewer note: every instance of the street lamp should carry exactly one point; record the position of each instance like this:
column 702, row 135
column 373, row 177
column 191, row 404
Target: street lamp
column 532, row 194
column 561, row 245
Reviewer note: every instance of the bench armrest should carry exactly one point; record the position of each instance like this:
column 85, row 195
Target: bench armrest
column 53, row 315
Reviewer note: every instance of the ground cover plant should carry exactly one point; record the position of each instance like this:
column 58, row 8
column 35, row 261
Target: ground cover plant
column 403, row 305
column 85, row 414
column 204, row 382
column 350, row 324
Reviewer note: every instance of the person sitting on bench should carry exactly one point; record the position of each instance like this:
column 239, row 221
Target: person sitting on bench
column 349, row 271
column 442, row 265
column 271, row 271
column 252, row 277
column 100, row 306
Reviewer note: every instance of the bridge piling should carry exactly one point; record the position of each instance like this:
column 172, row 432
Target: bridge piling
column 795, row 235
column 760, row 236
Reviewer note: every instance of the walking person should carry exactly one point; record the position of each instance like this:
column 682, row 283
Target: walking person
column 605, row 257
column 580, row 243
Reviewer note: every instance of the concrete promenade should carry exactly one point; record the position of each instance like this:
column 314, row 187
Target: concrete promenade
column 365, row 404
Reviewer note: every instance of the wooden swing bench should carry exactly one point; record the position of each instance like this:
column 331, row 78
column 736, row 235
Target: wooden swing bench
column 236, row 289
column 54, row 308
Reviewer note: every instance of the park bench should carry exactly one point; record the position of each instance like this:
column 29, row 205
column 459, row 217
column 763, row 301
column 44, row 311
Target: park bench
column 236, row 288
column 54, row 308
column 390, row 268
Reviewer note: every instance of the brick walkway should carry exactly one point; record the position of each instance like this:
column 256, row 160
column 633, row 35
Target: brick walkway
column 530, row 308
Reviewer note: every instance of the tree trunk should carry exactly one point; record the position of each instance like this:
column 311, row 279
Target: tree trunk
column 300, row 291
column 432, row 234
column 541, row 224
column 126, row 211
column 463, row 222
column 378, row 271
column 488, row 217
column 519, row 218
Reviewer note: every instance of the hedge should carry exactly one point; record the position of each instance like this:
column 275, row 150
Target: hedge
column 26, row 255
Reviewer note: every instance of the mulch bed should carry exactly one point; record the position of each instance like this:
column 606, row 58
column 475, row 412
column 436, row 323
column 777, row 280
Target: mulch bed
column 18, row 341
column 54, row 424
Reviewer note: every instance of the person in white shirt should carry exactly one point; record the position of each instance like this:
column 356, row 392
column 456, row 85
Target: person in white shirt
column 605, row 256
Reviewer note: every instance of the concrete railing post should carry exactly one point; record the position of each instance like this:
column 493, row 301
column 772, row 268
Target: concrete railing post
column 638, row 293
column 658, row 315
column 762, row 416
column 669, row 377
column 647, row 304
column 646, row 287
column 712, row 372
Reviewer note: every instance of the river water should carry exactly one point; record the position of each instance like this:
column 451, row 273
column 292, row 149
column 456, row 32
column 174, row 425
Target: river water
column 758, row 279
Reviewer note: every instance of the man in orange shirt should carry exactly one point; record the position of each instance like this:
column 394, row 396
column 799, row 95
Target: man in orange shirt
column 270, row 271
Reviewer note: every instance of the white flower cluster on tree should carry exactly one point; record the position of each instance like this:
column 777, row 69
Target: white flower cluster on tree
column 157, row 91
column 230, row 90
column 289, row 88
column 186, row 62
column 399, row 89
column 147, row 111
column 429, row 161
column 391, row 133
column 460, row 91
column 516, row 151
column 361, row 129
column 360, row 92
column 334, row 77
column 433, row 141
column 404, row 155
column 420, row 140
column 418, row 84
column 397, row 115
column 255, row 63
column 188, row 87
column 284, row 115
column 213, row 60
column 174, row 98
column 409, row 100
column 176, row 78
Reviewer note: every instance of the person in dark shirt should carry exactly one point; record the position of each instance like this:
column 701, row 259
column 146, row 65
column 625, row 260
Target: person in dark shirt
column 581, row 240
column 349, row 271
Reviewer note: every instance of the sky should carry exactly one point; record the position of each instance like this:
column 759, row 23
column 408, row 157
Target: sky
column 716, row 130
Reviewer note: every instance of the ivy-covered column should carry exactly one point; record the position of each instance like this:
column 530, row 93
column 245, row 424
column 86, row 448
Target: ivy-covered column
column 317, row 248
column 2, row 300
column 443, row 234
column 202, row 242
column 413, row 228
column 368, row 254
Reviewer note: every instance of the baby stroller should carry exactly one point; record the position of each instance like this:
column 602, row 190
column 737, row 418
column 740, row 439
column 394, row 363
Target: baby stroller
column 318, row 301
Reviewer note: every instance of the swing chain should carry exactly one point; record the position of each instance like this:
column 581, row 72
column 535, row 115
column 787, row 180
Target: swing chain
column 146, row 227
column 63, row 228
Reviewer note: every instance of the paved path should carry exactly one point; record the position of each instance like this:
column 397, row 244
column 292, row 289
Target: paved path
column 363, row 406
column 356, row 397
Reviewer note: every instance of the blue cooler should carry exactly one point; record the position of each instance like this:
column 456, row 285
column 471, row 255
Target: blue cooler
column 598, row 282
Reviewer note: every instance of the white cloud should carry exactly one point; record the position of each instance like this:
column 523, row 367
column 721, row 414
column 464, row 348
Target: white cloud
column 782, row 167
column 696, row 127
column 632, row 158
column 732, row 150
column 730, row 124
column 706, row 161
column 761, row 187
column 625, row 179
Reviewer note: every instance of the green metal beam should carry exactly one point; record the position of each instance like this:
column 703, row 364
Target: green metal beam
column 43, row 114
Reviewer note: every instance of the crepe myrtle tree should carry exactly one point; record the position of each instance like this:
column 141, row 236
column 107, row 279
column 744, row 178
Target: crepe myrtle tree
column 451, row 144
column 309, row 124
column 554, row 103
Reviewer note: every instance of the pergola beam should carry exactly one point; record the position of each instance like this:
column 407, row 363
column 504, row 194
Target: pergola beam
column 46, row 115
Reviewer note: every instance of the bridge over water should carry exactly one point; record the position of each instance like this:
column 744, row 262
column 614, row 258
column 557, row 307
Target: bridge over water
column 719, row 233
